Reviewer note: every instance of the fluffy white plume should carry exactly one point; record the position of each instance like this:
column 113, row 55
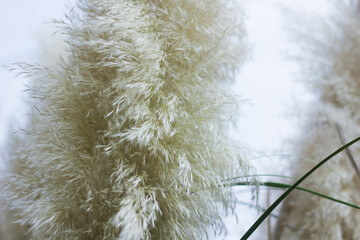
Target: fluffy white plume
column 130, row 142
column 331, row 62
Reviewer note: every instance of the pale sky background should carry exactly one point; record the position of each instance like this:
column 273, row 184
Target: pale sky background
column 268, row 80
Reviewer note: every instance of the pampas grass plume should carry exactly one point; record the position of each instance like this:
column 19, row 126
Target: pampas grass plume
column 332, row 63
column 130, row 141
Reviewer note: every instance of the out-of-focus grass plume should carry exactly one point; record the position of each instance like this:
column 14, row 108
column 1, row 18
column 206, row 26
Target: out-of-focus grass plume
column 331, row 63
column 130, row 140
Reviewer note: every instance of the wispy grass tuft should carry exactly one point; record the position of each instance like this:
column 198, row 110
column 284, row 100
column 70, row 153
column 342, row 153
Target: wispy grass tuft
column 131, row 140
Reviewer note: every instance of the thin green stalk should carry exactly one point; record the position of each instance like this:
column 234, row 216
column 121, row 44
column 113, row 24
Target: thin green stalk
column 284, row 185
column 288, row 177
column 289, row 190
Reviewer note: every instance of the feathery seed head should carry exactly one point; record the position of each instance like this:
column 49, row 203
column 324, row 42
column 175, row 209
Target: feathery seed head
column 132, row 143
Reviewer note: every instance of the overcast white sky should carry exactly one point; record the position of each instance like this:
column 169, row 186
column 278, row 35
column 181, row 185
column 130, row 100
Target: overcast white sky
column 267, row 80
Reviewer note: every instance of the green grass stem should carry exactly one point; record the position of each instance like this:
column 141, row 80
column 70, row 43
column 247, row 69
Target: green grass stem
column 284, row 185
column 289, row 190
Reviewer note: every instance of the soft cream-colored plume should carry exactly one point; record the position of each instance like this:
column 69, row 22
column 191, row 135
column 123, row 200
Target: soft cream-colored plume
column 131, row 140
column 51, row 50
column 332, row 70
